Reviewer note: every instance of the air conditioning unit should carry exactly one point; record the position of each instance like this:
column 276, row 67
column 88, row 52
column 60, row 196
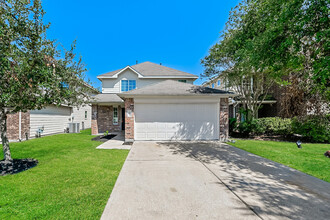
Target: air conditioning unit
column 74, row 127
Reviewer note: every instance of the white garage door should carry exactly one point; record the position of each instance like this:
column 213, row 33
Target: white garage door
column 53, row 119
column 176, row 121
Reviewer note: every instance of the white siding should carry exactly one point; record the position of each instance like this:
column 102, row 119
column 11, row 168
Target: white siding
column 113, row 85
column 79, row 116
column 53, row 119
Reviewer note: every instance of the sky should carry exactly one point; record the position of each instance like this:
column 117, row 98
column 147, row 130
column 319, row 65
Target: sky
column 113, row 34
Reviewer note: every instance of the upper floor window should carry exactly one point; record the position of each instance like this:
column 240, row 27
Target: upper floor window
column 219, row 83
column 212, row 85
column 85, row 114
column 182, row 80
column 127, row 85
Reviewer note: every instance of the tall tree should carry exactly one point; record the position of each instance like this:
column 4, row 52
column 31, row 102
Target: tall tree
column 281, row 40
column 33, row 71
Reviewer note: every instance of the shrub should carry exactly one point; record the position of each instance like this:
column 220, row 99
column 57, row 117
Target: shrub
column 314, row 128
column 232, row 124
column 273, row 126
column 269, row 126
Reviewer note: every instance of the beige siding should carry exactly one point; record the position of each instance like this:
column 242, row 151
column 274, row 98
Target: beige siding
column 79, row 116
column 53, row 119
column 114, row 85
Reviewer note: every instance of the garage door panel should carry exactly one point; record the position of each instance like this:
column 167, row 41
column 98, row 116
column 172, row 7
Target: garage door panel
column 176, row 121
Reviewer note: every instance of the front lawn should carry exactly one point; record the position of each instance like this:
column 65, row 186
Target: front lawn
column 310, row 159
column 73, row 180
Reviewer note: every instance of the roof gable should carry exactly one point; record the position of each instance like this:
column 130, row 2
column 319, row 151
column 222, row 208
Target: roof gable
column 126, row 68
column 150, row 70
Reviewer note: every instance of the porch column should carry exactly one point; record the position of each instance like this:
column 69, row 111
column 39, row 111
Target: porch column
column 94, row 125
column 129, row 120
column 224, row 119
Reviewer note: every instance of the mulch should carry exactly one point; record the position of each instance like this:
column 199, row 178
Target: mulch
column 103, row 138
column 16, row 166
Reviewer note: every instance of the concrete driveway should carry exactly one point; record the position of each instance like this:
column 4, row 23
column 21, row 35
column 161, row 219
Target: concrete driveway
column 210, row 180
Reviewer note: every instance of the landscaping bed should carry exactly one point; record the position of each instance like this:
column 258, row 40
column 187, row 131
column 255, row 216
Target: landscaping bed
column 16, row 166
column 104, row 138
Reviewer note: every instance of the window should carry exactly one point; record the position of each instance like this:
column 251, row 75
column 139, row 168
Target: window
column 212, row 85
column 85, row 114
column 115, row 115
column 127, row 85
column 182, row 80
column 219, row 83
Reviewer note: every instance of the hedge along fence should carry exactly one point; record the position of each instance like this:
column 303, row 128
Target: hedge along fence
column 312, row 128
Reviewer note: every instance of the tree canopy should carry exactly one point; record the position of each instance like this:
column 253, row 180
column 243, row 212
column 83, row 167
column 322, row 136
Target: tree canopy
column 276, row 39
column 34, row 73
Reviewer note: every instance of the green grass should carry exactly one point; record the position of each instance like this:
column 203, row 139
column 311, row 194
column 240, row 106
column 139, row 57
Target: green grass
column 73, row 180
column 310, row 159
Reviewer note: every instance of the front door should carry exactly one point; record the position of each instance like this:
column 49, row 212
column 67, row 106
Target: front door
column 123, row 119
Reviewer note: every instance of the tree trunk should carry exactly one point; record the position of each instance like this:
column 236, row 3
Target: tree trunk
column 3, row 130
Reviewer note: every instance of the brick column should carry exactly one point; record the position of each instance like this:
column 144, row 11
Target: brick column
column 94, row 125
column 13, row 125
column 224, row 119
column 129, row 120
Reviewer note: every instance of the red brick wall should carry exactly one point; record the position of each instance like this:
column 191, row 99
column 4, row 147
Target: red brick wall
column 13, row 125
column 129, row 121
column 224, row 119
column 102, row 119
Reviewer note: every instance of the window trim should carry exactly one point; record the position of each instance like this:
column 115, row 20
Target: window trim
column 115, row 118
column 129, row 85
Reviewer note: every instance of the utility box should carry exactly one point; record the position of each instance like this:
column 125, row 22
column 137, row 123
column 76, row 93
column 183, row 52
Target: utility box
column 74, row 127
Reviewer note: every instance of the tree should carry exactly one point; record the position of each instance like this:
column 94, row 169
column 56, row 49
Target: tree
column 34, row 72
column 277, row 40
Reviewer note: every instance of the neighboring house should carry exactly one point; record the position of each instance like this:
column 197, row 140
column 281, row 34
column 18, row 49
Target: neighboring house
column 52, row 120
column 153, row 102
column 269, row 108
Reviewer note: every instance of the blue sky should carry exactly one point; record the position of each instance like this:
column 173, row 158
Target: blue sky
column 113, row 34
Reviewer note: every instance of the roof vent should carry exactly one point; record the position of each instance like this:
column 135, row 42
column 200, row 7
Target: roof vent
column 160, row 64
column 136, row 62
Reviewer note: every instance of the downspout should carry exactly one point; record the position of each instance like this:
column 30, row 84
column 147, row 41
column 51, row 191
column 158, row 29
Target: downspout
column 19, row 125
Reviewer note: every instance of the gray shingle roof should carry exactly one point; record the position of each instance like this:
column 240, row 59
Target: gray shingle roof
column 106, row 98
column 150, row 69
column 173, row 88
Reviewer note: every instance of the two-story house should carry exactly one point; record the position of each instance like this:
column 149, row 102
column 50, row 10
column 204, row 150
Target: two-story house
column 269, row 107
column 153, row 102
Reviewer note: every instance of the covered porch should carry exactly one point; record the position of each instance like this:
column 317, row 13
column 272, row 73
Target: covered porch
column 108, row 114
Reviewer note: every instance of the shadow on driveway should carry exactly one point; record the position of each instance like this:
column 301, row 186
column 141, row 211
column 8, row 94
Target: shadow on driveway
column 272, row 190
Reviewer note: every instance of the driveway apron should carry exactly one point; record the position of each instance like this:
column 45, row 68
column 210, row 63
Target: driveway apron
column 159, row 181
column 211, row 180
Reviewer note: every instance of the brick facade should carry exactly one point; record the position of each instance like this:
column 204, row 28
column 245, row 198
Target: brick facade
column 94, row 126
column 102, row 119
column 129, row 120
column 224, row 119
column 13, row 125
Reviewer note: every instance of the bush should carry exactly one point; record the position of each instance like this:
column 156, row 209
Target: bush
column 244, row 128
column 232, row 124
column 314, row 128
column 273, row 126
column 269, row 126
